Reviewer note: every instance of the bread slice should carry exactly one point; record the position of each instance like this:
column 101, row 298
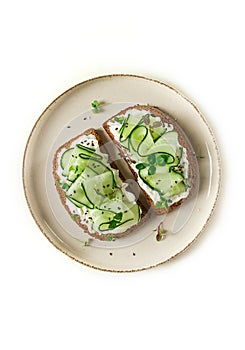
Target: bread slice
column 92, row 190
column 158, row 153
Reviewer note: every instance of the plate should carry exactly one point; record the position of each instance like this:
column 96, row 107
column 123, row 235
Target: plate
column 69, row 115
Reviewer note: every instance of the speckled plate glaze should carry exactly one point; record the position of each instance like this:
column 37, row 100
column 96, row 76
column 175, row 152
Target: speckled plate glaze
column 69, row 115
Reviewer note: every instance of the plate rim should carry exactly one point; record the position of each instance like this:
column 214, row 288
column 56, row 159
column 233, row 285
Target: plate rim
column 219, row 173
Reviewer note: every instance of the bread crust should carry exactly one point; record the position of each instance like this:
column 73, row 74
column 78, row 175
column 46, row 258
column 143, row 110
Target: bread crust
column 63, row 199
column 183, row 141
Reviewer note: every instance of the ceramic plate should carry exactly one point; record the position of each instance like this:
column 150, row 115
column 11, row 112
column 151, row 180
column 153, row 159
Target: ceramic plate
column 69, row 115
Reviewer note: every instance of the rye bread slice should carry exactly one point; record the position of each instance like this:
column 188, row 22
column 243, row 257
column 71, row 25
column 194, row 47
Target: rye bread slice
column 183, row 141
column 62, row 193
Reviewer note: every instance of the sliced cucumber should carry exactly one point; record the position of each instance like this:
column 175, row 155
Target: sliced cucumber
column 167, row 143
column 88, row 173
column 86, row 149
column 129, row 124
column 161, row 182
column 65, row 158
column 132, row 216
column 75, row 165
column 137, row 136
column 115, row 205
column 156, row 132
column 101, row 216
column 176, row 190
column 99, row 187
column 77, row 193
column 160, row 171
column 97, row 165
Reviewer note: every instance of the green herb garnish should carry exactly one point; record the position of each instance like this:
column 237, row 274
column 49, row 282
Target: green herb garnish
column 162, row 160
column 63, row 185
column 118, row 217
column 151, row 170
column 152, row 159
column 95, row 106
column 141, row 166
column 161, row 234
column 113, row 224
column 75, row 216
column 119, row 119
column 110, row 238
column 162, row 203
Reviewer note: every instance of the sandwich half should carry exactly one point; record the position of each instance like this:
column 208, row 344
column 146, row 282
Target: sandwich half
column 158, row 154
column 92, row 190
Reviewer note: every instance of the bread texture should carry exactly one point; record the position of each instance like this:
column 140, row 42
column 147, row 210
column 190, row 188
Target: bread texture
column 82, row 220
column 182, row 140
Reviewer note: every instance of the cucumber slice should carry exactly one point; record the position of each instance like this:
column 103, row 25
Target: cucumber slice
column 160, row 171
column 75, row 165
column 132, row 216
column 176, row 190
column 100, row 216
column 97, row 166
column 99, row 187
column 156, row 132
column 65, row 158
column 88, row 173
column 85, row 149
column 167, row 143
column 137, row 136
column 115, row 205
column 177, row 158
column 77, row 193
column 162, row 183
column 129, row 124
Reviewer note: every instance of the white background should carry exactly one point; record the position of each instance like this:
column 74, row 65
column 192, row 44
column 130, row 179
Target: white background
column 49, row 301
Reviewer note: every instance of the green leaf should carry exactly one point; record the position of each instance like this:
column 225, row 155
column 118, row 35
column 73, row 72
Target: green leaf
column 109, row 238
column 141, row 166
column 162, row 203
column 119, row 119
column 159, row 204
column 75, row 216
column 95, row 104
column 162, row 160
column 65, row 186
column 151, row 170
column 113, row 224
column 152, row 159
column 118, row 216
